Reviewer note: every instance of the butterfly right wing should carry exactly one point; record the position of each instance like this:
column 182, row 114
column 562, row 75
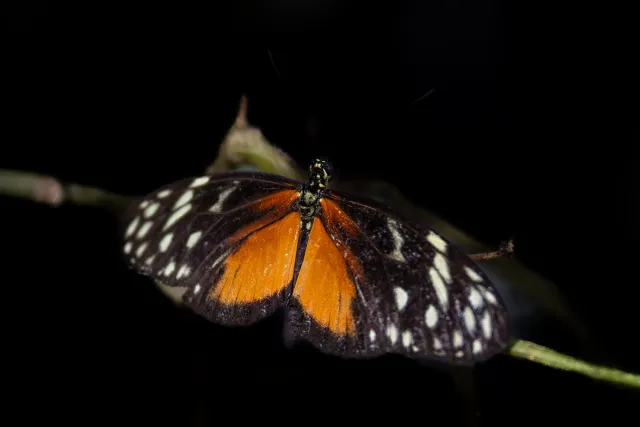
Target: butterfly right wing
column 373, row 283
column 229, row 239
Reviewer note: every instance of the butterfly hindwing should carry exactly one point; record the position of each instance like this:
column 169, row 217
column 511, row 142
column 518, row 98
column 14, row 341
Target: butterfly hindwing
column 412, row 292
column 215, row 235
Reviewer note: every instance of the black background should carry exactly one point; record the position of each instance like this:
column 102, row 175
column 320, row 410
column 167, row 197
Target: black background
column 529, row 132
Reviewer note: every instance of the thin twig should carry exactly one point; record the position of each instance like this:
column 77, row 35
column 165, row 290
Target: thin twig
column 505, row 250
column 241, row 121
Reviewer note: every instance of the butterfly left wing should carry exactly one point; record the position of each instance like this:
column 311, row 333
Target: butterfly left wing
column 229, row 239
column 376, row 284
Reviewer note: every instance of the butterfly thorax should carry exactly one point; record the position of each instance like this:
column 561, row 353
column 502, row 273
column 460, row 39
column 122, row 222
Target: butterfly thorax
column 312, row 189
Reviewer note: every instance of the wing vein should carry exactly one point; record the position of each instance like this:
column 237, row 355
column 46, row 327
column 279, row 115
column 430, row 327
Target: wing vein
column 373, row 208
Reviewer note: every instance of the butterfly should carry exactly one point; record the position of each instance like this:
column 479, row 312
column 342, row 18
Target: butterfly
column 356, row 280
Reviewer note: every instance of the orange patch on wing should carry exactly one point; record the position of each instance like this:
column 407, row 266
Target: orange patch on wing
column 337, row 221
column 262, row 265
column 274, row 205
column 324, row 287
column 335, row 216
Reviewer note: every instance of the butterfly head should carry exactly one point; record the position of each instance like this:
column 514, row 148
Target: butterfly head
column 320, row 171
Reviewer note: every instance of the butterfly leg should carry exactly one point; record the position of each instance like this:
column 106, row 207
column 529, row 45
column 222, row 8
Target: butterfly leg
column 505, row 250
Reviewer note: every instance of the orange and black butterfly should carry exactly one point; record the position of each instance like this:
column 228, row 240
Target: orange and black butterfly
column 355, row 279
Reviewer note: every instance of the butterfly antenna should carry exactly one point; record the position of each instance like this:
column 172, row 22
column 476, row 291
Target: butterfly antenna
column 422, row 97
column 273, row 64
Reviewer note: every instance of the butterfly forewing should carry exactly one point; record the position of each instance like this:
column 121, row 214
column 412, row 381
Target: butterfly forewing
column 185, row 234
column 415, row 293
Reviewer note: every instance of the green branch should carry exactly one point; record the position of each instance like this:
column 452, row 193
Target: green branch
column 50, row 191
column 245, row 145
column 551, row 358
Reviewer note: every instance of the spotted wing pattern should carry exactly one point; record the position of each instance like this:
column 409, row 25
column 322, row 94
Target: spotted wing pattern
column 410, row 291
column 221, row 238
column 356, row 279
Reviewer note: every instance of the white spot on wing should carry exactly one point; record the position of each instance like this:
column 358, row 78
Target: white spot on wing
column 185, row 198
column 457, row 338
column 193, row 239
column 431, row 316
column 196, row 289
column 217, row 207
column 141, row 249
column 439, row 286
column 183, row 271
column 475, row 298
column 392, row 333
column 437, row 241
column 169, row 269
column 164, row 193
column 127, row 247
column 442, row 265
column 132, row 226
column 401, row 297
column 407, row 338
column 176, row 216
column 372, row 335
column 143, row 204
column 472, row 274
column 199, row 181
column 469, row 319
column 151, row 210
column 477, row 346
column 486, row 324
column 398, row 241
column 437, row 345
column 489, row 296
column 165, row 242
column 144, row 229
